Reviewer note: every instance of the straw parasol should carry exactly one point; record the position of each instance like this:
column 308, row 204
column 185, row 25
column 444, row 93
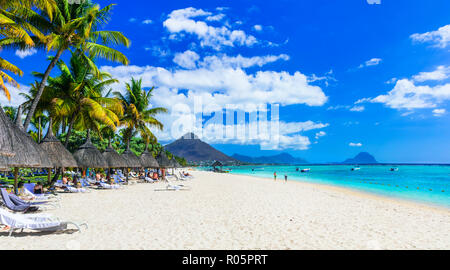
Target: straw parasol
column 26, row 153
column 88, row 156
column 58, row 154
column 132, row 160
column 163, row 161
column 175, row 163
column 147, row 159
column 113, row 158
column 19, row 150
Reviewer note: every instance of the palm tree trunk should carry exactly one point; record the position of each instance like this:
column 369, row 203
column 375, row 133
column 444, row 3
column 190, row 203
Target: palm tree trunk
column 69, row 132
column 41, row 88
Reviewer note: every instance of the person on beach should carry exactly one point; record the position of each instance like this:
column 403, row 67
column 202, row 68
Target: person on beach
column 285, row 178
column 275, row 176
column 38, row 188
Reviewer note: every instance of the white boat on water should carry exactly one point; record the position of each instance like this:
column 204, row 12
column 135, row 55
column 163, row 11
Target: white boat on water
column 306, row 170
column 394, row 169
column 356, row 169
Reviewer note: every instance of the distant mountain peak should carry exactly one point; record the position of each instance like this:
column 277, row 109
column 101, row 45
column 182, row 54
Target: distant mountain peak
column 362, row 158
column 195, row 150
column 189, row 136
column 282, row 158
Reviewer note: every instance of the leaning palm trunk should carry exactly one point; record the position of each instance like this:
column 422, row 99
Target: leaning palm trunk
column 41, row 89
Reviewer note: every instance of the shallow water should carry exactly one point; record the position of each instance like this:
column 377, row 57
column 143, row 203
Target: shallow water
column 422, row 183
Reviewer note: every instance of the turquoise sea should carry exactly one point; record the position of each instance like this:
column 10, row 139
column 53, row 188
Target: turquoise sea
column 423, row 183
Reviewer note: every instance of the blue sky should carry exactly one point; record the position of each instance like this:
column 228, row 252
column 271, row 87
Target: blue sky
column 350, row 76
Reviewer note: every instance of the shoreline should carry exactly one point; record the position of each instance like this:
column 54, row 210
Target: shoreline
column 357, row 192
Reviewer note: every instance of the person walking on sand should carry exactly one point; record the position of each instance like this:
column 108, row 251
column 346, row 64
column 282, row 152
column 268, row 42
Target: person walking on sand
column 285, row 178
column 275, row 176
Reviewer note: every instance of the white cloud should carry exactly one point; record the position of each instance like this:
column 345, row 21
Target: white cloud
column 132, row 20
column 371, row 62
column 357, row 109
column 440, row 38
column 224, row 61
column 347, row 107
column 215, row 18
column 25, row 53
column 257, row 27
column 441, row 73
column 374, row 2
column 182, row 21
column 188, row 59
column 439, row 112
column 320, row 134
column 147, row 21
column 407, row 95
column 16, row 99
column 355, row 144
column 157, row 51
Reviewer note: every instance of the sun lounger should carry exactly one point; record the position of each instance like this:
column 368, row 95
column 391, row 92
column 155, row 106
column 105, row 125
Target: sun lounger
column 70, row 189
column 108, row 186
column 172, row 187
column 25, row 208
column 41, row 223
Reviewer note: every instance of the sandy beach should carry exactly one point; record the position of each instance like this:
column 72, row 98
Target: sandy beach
column 224, row 211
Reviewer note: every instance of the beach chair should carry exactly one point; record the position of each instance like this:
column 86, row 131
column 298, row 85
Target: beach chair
column 108, row 186
column 185, row 177
column 29, row 191
column 8, row 203
column 70, row 189
column 42, row 223
column 172, row 187
column 36, row 197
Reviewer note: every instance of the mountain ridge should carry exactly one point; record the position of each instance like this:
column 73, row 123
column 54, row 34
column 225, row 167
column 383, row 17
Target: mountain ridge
column 283, row 158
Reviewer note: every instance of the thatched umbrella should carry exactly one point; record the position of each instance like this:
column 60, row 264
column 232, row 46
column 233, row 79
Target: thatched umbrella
column 133, row 161
column 163, row 160
column 113, row 159
column 21, row 150
column 88, row 156
column 59, row 155
column 147, row 159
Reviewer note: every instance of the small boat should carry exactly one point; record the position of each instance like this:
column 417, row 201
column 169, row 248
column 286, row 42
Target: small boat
column 356, row 169
column 305, row 170
column 394, row 169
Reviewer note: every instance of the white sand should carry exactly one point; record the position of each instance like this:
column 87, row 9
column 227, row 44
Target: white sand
column 241, row 212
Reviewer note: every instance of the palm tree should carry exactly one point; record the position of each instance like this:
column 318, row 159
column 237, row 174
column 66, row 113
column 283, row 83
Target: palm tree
column 73, row 26
column 14, row 30
column 137, row 115
column 10, row 112
column 77, row 95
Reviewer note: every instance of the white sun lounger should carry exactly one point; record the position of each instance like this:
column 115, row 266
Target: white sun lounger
column 43, row 223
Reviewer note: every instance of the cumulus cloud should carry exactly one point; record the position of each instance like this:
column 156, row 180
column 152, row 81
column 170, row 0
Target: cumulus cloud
column 407, row 95
column 347, row 107
column 16, row 99
column 257, row 27
column 147, row 21
column 355, row 144
column 25, row 53
column 440, row 38
column 188, row 59
column 439, row 112
column 371, row 62
column 441, row 73
column 320, row 134
column 188, row 21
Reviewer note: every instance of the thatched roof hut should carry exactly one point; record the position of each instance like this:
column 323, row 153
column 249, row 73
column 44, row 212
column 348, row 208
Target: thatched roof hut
column 58, row 154
column 175, row 163
column 132, row 160
column 18, row 148
column 88, row 156
column 147, row 160
column 163, row 161
column 217, row 164
column 113, row 158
